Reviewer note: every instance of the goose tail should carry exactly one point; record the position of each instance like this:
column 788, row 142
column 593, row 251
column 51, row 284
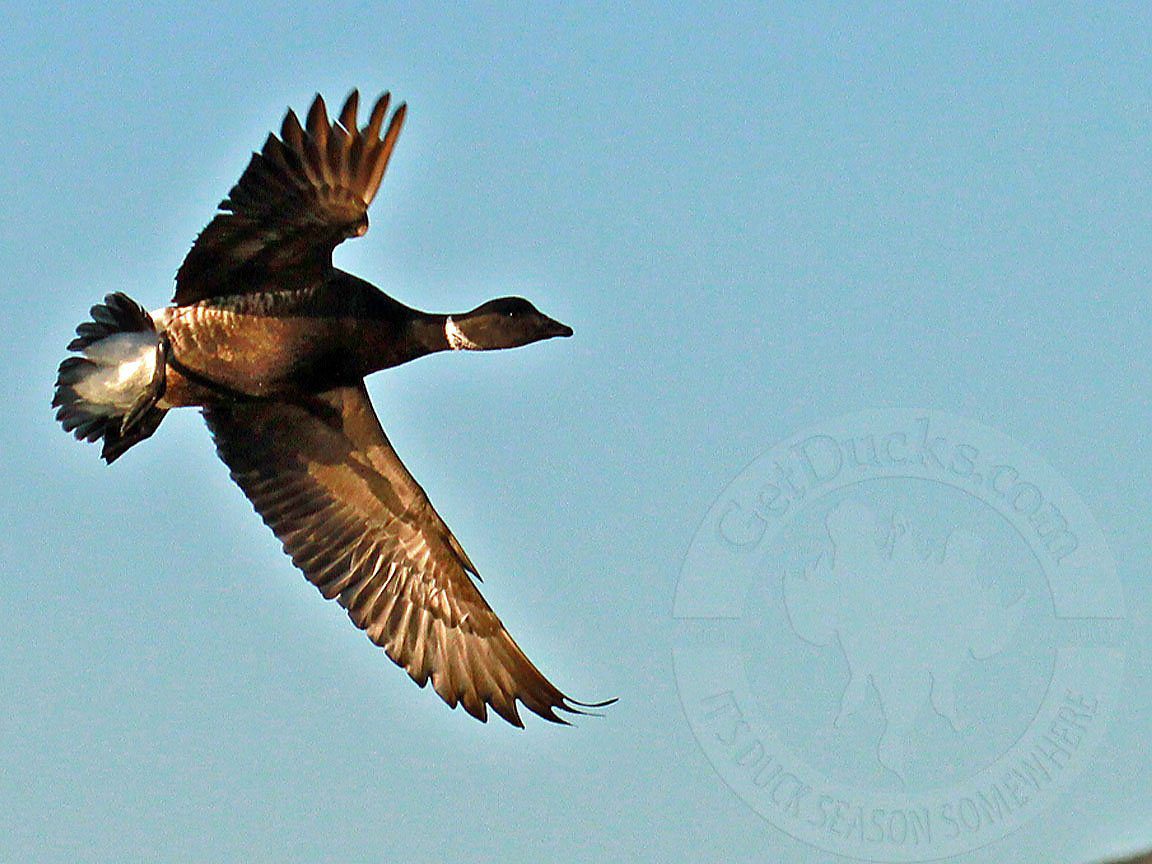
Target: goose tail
column 110, row 389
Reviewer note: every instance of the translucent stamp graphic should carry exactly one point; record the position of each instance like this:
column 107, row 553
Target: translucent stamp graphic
column 898, row 636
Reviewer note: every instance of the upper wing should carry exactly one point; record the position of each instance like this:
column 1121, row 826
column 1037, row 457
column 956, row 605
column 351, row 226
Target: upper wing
column 302, row 195
column 326, row 480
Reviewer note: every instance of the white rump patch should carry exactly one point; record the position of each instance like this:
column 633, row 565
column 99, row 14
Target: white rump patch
column 457, row 341
column 123, row 367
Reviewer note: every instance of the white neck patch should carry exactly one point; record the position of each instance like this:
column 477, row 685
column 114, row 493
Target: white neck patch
column 457, row 341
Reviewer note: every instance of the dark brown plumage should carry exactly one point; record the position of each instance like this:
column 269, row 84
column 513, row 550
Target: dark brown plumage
column 272, row 343
column 325, row 478
column 300, row 197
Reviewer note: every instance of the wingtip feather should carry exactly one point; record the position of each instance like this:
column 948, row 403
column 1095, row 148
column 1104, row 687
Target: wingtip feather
column 376, row 119
column 349, row 111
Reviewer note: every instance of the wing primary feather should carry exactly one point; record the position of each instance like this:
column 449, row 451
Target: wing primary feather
column 348, row 112
column 314, row 161
column 339, row 150
column 317, row 122
column 380, row 162
column 376, row 119
column 291, row 132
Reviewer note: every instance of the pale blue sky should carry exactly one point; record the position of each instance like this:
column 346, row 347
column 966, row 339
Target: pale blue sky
column 755, row 219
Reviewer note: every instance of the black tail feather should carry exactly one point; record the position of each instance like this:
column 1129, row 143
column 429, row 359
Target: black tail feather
column 119, row 313
column 117, row 441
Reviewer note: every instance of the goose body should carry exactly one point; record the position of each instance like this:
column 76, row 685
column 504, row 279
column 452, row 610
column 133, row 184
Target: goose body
column 272, row 343
column 278, row 343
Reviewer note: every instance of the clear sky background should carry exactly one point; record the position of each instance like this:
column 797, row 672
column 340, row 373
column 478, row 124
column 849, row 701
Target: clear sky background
column 754, row 219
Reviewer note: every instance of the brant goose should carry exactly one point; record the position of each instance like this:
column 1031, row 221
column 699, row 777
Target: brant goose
column 272, row 343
